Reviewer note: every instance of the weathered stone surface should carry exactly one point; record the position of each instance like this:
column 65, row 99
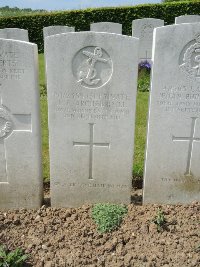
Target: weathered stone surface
column 172, row 169
column 14, row 33
column 110, row 27
column 56, row 29
column 91, row 80
column 187, row 19
column 143, row 29
column 20, row 148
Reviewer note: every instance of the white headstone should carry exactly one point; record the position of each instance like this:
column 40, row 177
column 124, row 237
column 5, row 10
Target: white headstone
column 110, row 27
column 14, row 33
column 172, row 169
column 20, row 146
column 187, row 19
column 56, row 29
column 91, row 81
column 143, row 29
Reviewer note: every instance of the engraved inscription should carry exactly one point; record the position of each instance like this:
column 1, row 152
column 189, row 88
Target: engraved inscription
column 184, row 183
column 189, row 60
column 93, row 184
column 10, row 65
column 184, row 99
column 91, row 145
column 92, row 67
column 120, row 186
column 191, row 140
column 181, row 180
column 146, row 37
column 147, row 31
column 94, row 106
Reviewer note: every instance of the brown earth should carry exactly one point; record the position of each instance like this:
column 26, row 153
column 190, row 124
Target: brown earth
column 68, row 237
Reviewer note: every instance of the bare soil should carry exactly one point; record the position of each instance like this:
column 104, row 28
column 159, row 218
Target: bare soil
column 68, row 237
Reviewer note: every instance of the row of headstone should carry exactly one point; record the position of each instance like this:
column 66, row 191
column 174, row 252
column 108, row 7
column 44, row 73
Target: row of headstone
column 88, row 89
column 141, row 28
column 91, row 97
column 92, row 84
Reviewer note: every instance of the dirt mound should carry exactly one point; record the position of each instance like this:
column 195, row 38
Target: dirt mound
column 68, row 237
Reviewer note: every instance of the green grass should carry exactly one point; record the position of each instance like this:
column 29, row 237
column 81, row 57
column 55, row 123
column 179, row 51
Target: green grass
column 140, row 133
column 41, row 70
column 45, row 137
column 44, row 118
column 140, row 129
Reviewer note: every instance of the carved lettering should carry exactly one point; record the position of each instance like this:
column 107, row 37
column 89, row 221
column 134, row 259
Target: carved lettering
column 95, row 106
column 177, row 99
column 120, row 186
column 10, row 66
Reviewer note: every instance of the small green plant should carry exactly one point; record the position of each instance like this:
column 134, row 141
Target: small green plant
column 14, row 258
column 160, row 220
column 108, row 216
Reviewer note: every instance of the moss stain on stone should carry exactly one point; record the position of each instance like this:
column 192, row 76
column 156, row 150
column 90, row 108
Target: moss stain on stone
column 188, row 183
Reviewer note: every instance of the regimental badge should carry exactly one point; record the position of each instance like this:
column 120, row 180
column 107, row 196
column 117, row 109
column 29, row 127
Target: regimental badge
column 190, row 60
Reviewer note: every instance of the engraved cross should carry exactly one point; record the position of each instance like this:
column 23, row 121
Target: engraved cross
column 191, row 140
column 91, row 145
column 10, row 123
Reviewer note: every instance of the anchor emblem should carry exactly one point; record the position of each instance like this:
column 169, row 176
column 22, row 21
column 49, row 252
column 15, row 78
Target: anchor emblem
column 87, row 72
